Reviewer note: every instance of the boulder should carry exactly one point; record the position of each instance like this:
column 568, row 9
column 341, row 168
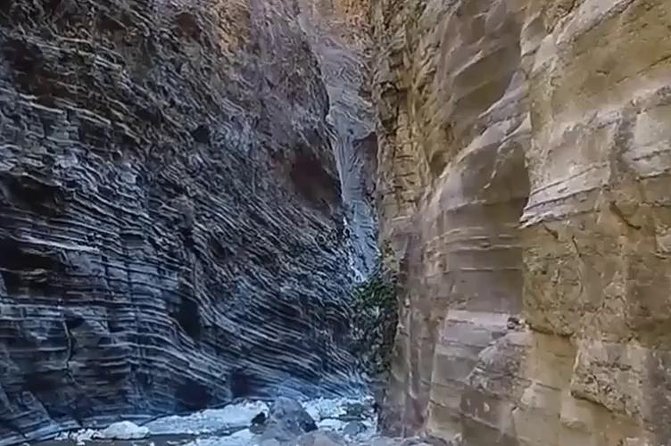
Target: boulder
column 123, row 430
column 286, row 421
column 354, row 428
column 258, row 423
column 291, row 414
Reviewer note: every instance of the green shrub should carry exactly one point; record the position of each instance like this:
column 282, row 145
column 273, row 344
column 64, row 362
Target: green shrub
column 374, row 322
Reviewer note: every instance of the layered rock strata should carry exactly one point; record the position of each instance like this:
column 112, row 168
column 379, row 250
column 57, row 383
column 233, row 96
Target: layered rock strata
column 339, row 33
column 171, row 220
column 525, row 151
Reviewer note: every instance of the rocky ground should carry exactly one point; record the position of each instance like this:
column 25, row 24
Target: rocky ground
column 285, row 422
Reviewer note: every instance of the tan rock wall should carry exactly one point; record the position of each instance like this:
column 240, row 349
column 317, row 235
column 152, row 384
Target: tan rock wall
column 525, row 151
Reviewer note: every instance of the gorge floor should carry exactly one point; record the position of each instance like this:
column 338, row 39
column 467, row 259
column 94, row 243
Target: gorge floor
column 341, row 421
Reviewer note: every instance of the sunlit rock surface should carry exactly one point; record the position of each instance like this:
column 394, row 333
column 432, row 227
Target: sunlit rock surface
column 172, row 227
column 525, row 151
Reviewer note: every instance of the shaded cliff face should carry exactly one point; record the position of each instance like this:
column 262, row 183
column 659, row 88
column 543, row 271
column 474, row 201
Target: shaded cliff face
column 171, row 220
column 339, row 33
column 524, row 160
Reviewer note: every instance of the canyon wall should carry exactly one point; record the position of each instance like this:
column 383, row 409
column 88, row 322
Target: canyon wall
column 524, row 161
column 172, row 226
column 338, row 31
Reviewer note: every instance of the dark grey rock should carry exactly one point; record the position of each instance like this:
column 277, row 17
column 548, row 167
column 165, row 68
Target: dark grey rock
column 258, row 423
column 286, row 421
column 354, row 428
column 259, row 419
column 356, row 411
column 320, row 438
column 291, row 414
column 171, row 232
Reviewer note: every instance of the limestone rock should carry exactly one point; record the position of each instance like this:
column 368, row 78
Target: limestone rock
column 172, row 227
column 524, row 158
column 124, row 430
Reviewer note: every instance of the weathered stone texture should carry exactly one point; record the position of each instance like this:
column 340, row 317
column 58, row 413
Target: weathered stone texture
column 171, row 221
column 339, row 35
column 525, row 151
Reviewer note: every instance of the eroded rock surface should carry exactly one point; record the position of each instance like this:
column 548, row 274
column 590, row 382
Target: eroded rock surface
column 172, row 228
column 339, row 33
column 525, row 151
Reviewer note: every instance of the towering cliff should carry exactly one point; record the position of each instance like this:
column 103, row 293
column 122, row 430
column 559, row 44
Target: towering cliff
column 339, row 33
column 172, row 228
column 525, row 151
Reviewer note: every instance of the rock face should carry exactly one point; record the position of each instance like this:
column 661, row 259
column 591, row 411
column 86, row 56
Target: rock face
column 171, row 215
column 525, row 151
column 339, row 33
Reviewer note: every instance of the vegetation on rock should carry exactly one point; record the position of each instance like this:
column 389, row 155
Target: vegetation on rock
column 374, row 322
